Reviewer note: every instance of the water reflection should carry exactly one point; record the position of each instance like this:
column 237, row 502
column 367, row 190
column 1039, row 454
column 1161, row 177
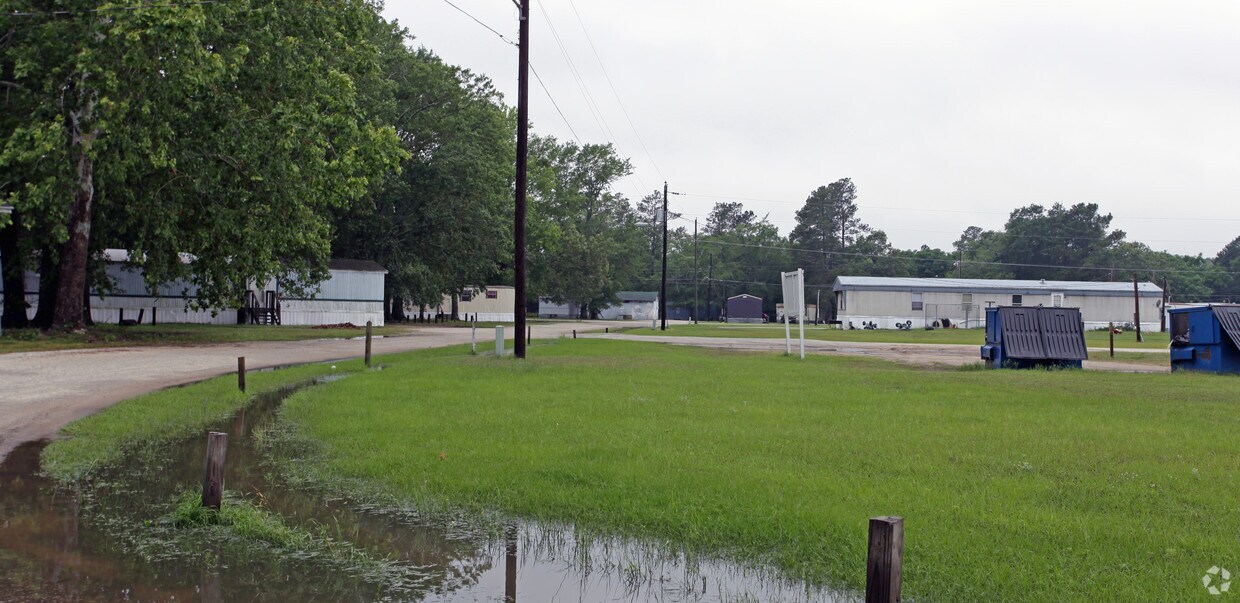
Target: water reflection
column 110, row 542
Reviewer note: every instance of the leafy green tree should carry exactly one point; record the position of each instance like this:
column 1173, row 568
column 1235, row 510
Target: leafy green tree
column 1036, row 239
column 209, row 139
column 444, row 221
column 828, row 224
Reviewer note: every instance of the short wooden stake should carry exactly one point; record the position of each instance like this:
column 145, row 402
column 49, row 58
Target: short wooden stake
column 154, row 310
column 606, row 329
column 1111, row 332
column 213, row 482
column 884, row 566
column 574, row 333
column 529, row 334
column 241, row 373
column 368, row 326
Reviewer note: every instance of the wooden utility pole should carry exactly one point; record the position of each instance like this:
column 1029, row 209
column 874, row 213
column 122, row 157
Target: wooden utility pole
column 663, row 281
column 1136, row 300
column 1162, row 316
column 710, row 276
column 695, row 273
column 523, row 126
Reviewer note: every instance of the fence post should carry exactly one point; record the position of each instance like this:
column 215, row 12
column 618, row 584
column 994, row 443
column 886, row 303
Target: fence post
column 574, row 333
column 884, row 566
column 241, row 373
column 1111, row 332
column 529, row 334
column 154, row 314
column 213, row 481
column 369, row 324
column 473, row 336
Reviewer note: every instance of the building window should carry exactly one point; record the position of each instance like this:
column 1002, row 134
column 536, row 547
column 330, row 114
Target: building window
column 966, row 298
column 1057, row 300
column 467, row 295
column 917, row 305
column 841, row 299
column 1018, row 300
column 492, row 294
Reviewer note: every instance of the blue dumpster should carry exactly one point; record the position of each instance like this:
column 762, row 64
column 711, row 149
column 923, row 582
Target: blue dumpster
column 1034, row 337
column 1206, row 338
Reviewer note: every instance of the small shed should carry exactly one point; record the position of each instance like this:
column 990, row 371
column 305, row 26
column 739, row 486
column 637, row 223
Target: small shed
column 634, row 305
column 744, row 308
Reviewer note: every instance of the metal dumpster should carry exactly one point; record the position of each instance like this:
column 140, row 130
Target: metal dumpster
column 1034, row 337
column 1206, row 338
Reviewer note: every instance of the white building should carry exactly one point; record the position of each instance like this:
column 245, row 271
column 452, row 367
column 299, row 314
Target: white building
column 924, row 301
column 492, row 303
column 634, row 305
column 550, row 309
column 352, row 293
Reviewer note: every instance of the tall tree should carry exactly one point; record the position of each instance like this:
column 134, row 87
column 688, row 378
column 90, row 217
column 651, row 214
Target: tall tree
column 209, row 139
column 1047, row 243
column 828, row 224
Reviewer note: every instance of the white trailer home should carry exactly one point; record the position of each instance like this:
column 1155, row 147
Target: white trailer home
column 492, row 303
column 919, row 302
column 634, row 305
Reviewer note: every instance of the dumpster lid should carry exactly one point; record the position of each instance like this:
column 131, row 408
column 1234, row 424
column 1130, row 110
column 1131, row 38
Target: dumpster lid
column 1229, row 318
column 1038, row 333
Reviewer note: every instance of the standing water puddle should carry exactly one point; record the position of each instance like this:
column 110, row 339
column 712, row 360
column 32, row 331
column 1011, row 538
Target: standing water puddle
column 113, row 541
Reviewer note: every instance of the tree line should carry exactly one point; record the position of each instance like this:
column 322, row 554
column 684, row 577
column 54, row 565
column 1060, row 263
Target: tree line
column 224, row 144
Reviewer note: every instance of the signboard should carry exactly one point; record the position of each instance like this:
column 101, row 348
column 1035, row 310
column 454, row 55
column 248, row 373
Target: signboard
column 794, row 306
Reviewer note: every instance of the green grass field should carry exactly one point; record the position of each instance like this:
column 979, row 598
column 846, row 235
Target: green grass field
column 35, row 340
column 1014, row 485
column 937, row 336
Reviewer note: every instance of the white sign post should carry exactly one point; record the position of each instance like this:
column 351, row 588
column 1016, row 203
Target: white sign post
column 499, row 340
column 794, row 301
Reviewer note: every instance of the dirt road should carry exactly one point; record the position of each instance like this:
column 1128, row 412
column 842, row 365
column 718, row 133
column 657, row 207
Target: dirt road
column 918, row 354
column 40, row 392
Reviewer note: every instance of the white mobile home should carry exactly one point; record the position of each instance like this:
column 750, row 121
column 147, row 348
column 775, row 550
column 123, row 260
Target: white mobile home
column 493, row 303
column 922, row 302
column 550, row 309
column 634, row 305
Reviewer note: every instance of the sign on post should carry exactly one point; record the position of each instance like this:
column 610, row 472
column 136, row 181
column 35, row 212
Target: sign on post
column 794, row 305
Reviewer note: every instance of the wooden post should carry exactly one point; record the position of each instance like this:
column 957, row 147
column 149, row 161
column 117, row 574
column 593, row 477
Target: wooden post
column 154, row 310
column 1111, row 332
column 473, row 336
column 510, row 564
column 241, row 373
column 884, row 567
column 213, row 481
column 606, row 329
column 1136, row 298
column 529, row 334
column 369, row 324
column 1162, row 315
column 574, row 333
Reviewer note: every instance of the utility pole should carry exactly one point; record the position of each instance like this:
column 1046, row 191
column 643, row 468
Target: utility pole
column 695, row 273
column 1136, row 298
column 710, row 276
column 663, row 281
column 1162, row 316
column 523, row 126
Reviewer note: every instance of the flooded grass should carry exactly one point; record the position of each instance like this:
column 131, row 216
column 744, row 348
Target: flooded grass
column 1014, row 485
column 128, row 525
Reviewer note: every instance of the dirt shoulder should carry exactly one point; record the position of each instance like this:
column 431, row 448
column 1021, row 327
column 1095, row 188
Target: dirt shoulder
column 44, row 391
column 917, row 354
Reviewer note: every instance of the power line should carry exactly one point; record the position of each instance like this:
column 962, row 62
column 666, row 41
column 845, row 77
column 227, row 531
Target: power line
column 479, row 22
column 949, row 211
column 613, row 90
column 973, row 262
column 554, row 104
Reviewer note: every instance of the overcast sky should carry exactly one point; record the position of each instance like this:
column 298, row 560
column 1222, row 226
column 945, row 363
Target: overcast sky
column 966, row 108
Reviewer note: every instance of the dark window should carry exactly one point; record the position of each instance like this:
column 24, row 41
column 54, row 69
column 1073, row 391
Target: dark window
column 467, row 295
column 492, row 294
column 917, row 305
column 1018, row 300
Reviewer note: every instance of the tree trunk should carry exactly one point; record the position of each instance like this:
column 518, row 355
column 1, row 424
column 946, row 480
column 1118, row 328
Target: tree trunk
column 69, row 292
column 398, row 309
column 14, row 276
column 49, row 276
column 456, row 307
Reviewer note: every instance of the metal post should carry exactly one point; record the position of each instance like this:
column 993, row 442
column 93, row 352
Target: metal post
column 884, row 567
column 523, row 124
column 499, row 340
column 1111, row 332
column 710, row 275
column 801, row 307
column 473, row 336
column 663, row 281
column 1162, row 316
column 695, row 273
column 1136, row 299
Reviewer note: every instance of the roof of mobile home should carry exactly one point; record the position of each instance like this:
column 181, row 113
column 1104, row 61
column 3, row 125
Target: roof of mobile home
column 982, row 285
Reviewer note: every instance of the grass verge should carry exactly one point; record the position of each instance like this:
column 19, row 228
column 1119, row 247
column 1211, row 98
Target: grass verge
column 35, row 340
column 1093, row 339
column 1014, row 485
column 164, row 416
